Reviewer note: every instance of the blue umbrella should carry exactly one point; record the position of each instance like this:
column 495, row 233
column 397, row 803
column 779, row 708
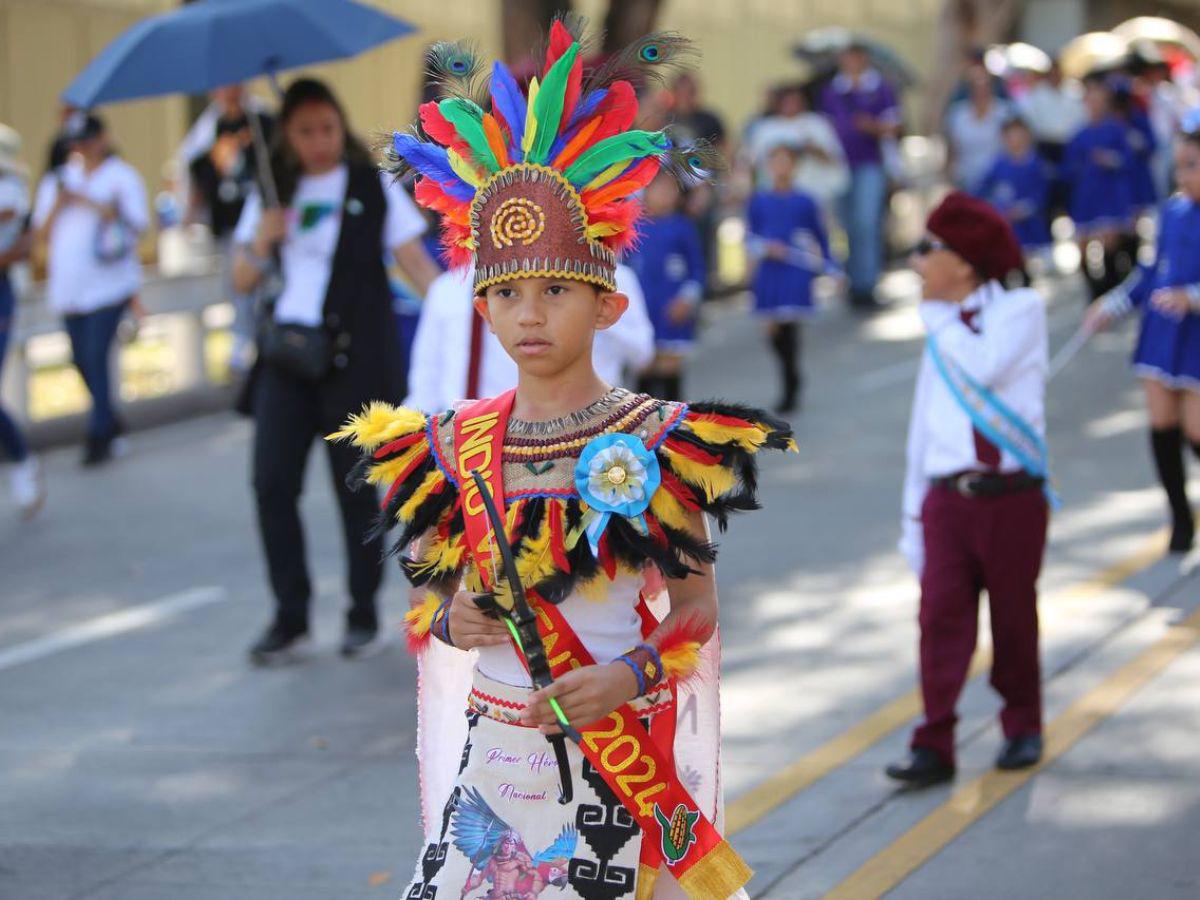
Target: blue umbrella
column 212, row 43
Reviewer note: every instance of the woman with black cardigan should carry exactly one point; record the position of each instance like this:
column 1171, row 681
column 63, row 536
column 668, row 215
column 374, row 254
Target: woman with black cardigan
column 328, row 343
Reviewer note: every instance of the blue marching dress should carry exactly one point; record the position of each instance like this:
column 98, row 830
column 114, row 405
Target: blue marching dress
column 1098, row 169
column 669, row 263
column 783, row 288
column 1020, row 189
column 1168, row 349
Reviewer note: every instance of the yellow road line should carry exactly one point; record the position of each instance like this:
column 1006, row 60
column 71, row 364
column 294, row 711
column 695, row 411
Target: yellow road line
column 922, row 842
column 781, row 787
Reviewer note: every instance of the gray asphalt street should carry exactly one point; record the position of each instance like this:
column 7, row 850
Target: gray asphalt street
column 141, row 758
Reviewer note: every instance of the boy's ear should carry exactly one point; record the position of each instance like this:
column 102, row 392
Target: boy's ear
column 481, row 307
column 612, row 306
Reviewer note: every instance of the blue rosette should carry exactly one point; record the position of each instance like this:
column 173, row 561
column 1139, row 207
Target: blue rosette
column 616, row 475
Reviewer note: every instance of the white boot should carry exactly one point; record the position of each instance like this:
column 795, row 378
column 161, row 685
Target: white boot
column 28, row 489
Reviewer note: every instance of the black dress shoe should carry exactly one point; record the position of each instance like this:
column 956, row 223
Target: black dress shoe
column 1183, row 535
column 922, row 768
column 280, row 646
column 1020, row 752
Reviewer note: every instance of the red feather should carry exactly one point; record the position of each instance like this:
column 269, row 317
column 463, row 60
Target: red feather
column 718, row 419
column 692, row 452
column 558, row 547
column 679, row 490
column 454, row 236
column 618, row 109
column 624, row 215
column 403, row 476
column 399, row 444
column 560, row 42
column 686, row 629
column 606, row 559
column 430, row 195
column 625, row 185
column 439, row 128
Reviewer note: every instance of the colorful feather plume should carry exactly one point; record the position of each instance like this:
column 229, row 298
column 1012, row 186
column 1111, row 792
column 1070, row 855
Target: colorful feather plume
column 679, row 647
column 576, row 125
column 707, row 457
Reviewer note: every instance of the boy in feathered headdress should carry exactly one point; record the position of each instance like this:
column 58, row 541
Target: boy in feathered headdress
column 600, row 496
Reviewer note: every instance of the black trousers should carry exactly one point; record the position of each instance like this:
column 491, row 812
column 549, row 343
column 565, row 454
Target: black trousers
column 289, row 416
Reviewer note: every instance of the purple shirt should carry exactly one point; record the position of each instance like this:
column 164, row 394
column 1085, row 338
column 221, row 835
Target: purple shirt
column 841, row 101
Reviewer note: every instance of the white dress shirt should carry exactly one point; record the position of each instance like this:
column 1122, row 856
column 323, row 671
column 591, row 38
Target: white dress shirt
column 1005, row 350
column 441, row 350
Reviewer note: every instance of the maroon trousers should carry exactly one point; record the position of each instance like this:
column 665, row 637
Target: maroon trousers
column 973, row 544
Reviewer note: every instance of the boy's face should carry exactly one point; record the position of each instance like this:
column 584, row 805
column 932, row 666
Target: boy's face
column 546, row 324
column 943, row 272
column 1097, row 100
column 1017, row 140
column 1187, row 167
column 781, row 164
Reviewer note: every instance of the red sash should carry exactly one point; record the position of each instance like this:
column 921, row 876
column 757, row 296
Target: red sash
column 638, row 767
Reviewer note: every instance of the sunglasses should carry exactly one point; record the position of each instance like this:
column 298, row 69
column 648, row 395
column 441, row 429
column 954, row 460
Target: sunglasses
column 928, row 245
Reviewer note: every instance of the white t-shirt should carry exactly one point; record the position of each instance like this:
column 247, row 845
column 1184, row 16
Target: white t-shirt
column 314, row 222
column 78, row 279
column 976, row 140
column 607, row 628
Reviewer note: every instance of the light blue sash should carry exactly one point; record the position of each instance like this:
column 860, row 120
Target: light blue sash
column 996, row 420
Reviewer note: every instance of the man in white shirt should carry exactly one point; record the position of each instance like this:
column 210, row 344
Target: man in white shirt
column 975, row 510
column 456, row 357
column 92, row 211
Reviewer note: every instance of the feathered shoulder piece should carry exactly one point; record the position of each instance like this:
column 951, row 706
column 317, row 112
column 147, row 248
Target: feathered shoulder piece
column 405, row 455
column 541, row 181
column 621, row 491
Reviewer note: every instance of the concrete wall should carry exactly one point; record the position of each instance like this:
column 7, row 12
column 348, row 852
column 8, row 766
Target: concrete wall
column 44, row 44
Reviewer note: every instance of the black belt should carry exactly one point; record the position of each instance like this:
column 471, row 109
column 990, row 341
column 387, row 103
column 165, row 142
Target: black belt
column 988, row 484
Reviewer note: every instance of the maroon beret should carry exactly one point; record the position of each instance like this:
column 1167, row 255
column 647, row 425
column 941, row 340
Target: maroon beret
column 978, row 233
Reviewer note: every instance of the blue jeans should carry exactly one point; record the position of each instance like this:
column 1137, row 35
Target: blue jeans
column 861, row 212
column 92, row 336
column 11, row 441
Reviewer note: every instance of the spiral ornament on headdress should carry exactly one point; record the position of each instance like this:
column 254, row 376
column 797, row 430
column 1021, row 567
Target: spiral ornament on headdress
column 518, row 220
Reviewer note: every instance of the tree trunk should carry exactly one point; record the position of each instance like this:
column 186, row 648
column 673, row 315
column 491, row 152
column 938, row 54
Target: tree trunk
column 524, row 24
column 628, row 20
column 962, row 25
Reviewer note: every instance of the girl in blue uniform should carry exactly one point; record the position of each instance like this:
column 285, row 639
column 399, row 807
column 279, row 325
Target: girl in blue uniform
column 1098, row 169
column 1168, row 350
column 669, row 262
column 1142, row 146
column 1018, row 185
column 788, row 238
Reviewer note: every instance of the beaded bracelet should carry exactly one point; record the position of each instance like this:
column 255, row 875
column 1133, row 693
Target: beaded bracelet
column 646, row 665
column 440, row 626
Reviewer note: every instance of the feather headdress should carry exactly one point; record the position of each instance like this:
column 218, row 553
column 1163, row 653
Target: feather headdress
column 542, row 182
